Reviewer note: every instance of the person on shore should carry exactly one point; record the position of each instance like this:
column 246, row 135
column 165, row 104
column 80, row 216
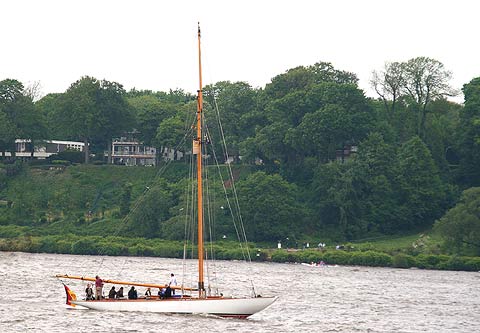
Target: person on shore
column 120, row 293
column 172, row 283
column 98, row 287
column 89, row 293
column 132, row 293
column 112, row 294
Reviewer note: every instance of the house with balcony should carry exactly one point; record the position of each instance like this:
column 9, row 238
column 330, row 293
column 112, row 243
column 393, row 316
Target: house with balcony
column 129, row 151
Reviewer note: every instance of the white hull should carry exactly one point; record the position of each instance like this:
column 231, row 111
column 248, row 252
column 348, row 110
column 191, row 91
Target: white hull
column 224, row 307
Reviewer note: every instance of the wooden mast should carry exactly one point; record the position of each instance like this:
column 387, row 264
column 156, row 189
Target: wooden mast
column 201, row 286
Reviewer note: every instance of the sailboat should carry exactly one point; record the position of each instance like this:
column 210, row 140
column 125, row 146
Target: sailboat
column 200, row 302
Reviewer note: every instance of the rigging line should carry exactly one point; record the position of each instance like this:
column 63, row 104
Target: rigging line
column 140, row 199
column 242, row 226
column 237, row 210
column 211, row 224
column 189, row 193
column 194, row 215
column 229, row 204
column 192, row 210
column 229, row 167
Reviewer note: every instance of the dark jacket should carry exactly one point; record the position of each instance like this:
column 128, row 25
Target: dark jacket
column 112, row 293
column 132, row 294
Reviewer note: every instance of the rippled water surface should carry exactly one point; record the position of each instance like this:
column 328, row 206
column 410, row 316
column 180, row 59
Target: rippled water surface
column 312, row 299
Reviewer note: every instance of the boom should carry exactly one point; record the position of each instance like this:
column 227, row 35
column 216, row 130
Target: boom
column 84, row 278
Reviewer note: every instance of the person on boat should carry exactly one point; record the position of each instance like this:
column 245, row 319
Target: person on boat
column 172, row 283
column 98, row 287
column 120, row 293
column 148, row 293
column 161, row 293
column 168, row 292
column 89, row 293
column 132, row 293
column 112, row 294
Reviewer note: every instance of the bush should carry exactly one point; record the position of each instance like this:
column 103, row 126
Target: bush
column 14, row 169
column 280, row 256
column 168, row 250
column 48, row 244
column 403, row 261
column 112, row 250
column 309, row 256
column 36, row 162
column 85, row 246
column 370, row 258
column 427, row 261
column 12, row 231
column 461, row 264
column 141, row 250
column 337, row 257
column 70, row 155
column 472, row 263
column 60, row 162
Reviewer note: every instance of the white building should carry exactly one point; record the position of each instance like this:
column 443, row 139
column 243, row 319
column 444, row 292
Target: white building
column 132, row 152
column 45, row 148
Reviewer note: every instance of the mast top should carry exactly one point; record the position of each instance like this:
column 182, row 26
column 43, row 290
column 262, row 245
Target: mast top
column 198, row 29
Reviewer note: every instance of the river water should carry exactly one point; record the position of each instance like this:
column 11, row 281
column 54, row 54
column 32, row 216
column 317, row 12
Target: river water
column 312, row 299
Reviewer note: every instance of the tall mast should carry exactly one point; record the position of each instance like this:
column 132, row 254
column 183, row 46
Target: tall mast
column 201, row 286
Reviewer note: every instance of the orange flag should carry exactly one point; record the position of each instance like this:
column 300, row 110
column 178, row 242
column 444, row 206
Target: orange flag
column 70, row 295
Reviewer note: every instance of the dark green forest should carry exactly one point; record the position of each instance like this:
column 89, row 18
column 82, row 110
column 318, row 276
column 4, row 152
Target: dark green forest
column 314, row 157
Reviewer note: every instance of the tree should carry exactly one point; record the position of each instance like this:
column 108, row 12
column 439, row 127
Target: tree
column 115, row 116
column 426, row 79
column 233, row 106
column 469, row 135
column 7, row 134
column 299, row 78
column 269, row 207
column 25, row 121
column 420, row 189
column 33, row 91
column 339, row 115
column 77, row 114
column 149, row 112
column 336, row 202
column 417, row 82
column 460, row 226
column 375, row 168
column 388, row 84
column 153, row 210
column 93, row 110
column 443, row 131
column 171, row 134
column 48, row 106
column 126, row 196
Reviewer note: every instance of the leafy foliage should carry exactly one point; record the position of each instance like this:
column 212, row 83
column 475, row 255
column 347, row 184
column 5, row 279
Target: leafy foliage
column 460, row 226
column 318, row 159
column 270, row 209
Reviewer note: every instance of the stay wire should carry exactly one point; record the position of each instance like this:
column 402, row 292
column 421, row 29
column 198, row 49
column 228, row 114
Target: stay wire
column 153, row 183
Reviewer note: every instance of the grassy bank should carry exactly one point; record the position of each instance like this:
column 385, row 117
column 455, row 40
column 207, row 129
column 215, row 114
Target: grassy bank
column 380, row 259
column 115, row 246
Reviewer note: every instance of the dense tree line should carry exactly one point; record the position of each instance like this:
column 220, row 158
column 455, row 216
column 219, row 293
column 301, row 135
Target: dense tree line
column 416, row 150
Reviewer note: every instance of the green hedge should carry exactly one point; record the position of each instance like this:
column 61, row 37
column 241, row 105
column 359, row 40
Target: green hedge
column 402, row 260
column 115, row 246
column 380, row 259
